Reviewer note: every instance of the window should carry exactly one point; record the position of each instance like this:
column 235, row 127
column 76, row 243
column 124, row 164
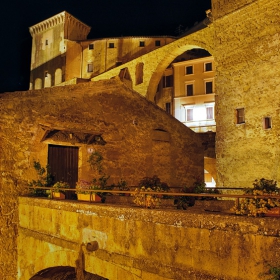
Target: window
column 208, row 87
column 157, row 43
column 189, row 89
column 240, row 116
column 208, row 66
column 167, row 81
column 189, row 114
column 90, row 67
column 209, row 113
column 91, row 46
column 111, row 45
column 47, row 42
column 189, row 70
column 267, row 123
column 141, row 44
column 46, row 73
column 168, row 108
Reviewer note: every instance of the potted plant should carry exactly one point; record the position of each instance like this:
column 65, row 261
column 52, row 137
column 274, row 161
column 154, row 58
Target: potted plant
column 83, row 192
column 44, row 179
column 101, row 184
column 142, row 193
column 183, row 202
column 57, row 190
column 122, row 186
column 145, row 199
column 259, row 206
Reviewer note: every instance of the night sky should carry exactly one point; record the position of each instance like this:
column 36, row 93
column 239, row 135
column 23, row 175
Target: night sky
column 107, row 18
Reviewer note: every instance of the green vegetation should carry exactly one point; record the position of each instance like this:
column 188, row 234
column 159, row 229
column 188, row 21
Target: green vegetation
column 44, row 179
column 258, row 206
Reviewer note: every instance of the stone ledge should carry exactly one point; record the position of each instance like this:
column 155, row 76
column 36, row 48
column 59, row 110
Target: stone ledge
column 194, row 217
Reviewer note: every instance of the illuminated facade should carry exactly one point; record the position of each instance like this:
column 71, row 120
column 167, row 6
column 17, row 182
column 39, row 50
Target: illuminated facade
column 62, row 54
column 187, row 91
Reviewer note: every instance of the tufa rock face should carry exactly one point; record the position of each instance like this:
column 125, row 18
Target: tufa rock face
column 134, row 136
column 138, row 140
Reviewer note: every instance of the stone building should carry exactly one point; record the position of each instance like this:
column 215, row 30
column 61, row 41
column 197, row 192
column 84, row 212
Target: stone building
column 244, row 41
column 62, row 54
column 135, row 137
column 247, row 90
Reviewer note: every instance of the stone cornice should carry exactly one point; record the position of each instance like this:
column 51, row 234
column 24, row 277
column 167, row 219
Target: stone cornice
column 62, row 17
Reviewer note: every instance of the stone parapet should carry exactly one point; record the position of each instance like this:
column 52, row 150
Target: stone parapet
column 144, row 243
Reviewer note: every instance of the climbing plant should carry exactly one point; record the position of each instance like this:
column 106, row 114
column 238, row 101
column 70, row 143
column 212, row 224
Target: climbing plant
column 95, row 161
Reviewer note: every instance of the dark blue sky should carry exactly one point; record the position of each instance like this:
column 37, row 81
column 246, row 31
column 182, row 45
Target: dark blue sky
column 107, row 18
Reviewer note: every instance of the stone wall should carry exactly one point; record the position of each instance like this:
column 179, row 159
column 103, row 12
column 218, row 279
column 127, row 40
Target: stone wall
column 141, row 140
column 221, row 8
column 248, row 61
column 145, row 244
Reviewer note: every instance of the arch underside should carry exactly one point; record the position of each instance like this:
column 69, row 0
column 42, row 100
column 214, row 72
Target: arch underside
column 63, row 273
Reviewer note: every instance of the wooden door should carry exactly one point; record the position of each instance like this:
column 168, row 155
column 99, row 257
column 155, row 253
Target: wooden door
column 63, row 163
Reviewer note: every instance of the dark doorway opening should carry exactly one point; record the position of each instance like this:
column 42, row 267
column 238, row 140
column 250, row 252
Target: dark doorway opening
column 63, row 273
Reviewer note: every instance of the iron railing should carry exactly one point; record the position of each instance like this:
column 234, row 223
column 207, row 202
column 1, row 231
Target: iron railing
column 171, row 194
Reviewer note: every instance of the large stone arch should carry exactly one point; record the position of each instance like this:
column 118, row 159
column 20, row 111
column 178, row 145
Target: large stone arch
column 156, row 61
column 201, row 39
column 30, row 266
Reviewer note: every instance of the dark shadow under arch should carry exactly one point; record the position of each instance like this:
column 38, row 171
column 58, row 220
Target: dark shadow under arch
column 63, row 273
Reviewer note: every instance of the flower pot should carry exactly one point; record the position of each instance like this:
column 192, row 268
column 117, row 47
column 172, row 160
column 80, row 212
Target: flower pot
column 58, row 195
column 273, row 212
column 89, row 197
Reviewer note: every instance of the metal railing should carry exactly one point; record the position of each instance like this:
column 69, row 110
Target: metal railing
column 171, row 194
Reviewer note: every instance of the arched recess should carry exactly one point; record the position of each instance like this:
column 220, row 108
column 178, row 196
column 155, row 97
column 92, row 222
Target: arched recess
column 48, row 79
column 63, row 273
column 58, row 76
column 139, row 73
column 202, row 39
column 38, row 83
